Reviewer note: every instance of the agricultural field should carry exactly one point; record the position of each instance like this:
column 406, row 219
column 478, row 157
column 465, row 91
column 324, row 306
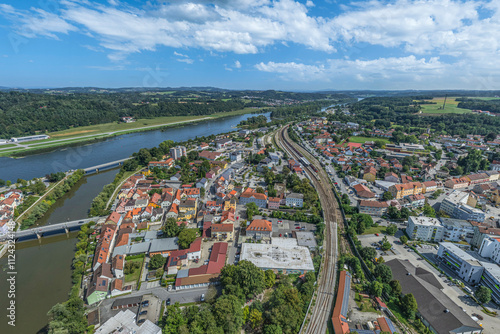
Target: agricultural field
column 362, row 140
column 450, row 107
column 486, row 98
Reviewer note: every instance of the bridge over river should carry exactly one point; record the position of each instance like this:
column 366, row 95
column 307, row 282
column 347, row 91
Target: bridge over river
column 52, row 229
column 107, row 165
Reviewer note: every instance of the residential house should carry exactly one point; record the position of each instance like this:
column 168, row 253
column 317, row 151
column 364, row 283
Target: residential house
column 117, row 265
column 457, row 183
column 294, row 200
column 273, row 203
column 259, row 229
column 391, row 177
column 401, row 190
column 222, row 231
column 429, row 186
column 373, row 208
column 251, row 196
column 363, row 191
column 369, row 174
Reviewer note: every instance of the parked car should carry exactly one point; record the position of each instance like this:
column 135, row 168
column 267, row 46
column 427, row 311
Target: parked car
column 143, row 312
column 140, row 321
column 168, row 301
column 202, row 298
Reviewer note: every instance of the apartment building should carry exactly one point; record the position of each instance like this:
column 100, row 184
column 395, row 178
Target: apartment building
column 402, row 190
column 425, row 229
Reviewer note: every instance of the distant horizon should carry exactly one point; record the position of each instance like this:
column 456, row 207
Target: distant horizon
column 290, row 45
column 251, row 89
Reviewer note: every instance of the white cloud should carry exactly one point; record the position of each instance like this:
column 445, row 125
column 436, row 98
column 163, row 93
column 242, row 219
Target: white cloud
column 241, row 27
column 185, row 60
column 36, row 22
column 366, row 70
column 180, row 54
column 309, row 3
column 237, row 64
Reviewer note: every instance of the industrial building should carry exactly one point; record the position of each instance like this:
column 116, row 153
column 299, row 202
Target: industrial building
column 435, row 309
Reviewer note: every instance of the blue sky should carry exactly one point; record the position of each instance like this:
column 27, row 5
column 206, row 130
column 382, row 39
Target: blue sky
column 251, row 44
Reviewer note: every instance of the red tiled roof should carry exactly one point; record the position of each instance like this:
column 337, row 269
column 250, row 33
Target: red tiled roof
column 260, row 225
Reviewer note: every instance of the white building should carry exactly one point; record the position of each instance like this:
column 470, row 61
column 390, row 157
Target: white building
column 457, row 230
column 425, row 229
column 490, row 248
column 461, row 205
column 491, row 279
column 177, row 152
column 280, row 256
column 466, row 266
column 124, row 323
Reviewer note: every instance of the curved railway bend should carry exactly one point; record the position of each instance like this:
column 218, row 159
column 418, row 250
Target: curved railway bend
column 322, row 308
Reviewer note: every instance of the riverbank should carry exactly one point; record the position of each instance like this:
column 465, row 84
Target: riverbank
column 95, row 133
column 43, row 204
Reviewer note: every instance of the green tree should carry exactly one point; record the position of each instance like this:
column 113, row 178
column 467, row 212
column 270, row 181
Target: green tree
column 391, row 229
column 396, row 288
column 376, row 288
column 244, row 280
column 255, row 318
column 157, row 261
column 403, row 239
column 272, row 329
column 228, row 313
column 171, row 229
column 383, row 272
column 387, row 196
column 368, row 253
column 483, row 294
column 429, row 210
column 186, row 237
column 270, row 278
column 409, row 305
column 393, row 212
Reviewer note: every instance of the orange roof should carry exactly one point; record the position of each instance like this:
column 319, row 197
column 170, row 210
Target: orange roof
column 260, row 225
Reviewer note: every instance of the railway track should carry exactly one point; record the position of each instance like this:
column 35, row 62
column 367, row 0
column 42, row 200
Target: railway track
column 322, row 308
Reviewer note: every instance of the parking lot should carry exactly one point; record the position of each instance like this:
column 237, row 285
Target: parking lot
column 490, row 324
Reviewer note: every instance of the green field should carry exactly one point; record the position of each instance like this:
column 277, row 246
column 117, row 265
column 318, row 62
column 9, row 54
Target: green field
column 375, row 229
column 450, row 107
column 7, row 145
column 134, row 276
column 486, row 98
column 362, row 140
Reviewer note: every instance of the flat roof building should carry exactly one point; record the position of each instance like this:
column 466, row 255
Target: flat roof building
column 425, row 229
column 124, row 323
column 284, row 258
column 463, row 264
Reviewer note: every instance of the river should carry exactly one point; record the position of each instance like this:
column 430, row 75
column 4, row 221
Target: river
column 111, row 149
column 44, row 267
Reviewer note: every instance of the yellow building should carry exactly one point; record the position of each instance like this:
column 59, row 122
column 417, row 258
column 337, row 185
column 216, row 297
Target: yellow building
column 188, row 208
column 399, row 191
column 222, row 231
column 230, row 204
column 370, row 174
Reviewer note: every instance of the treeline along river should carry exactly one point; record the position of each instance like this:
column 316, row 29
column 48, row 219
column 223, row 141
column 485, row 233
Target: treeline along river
column 112, row 149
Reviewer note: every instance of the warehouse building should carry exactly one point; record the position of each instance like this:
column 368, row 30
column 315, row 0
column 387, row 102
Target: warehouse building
column 281, row 255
